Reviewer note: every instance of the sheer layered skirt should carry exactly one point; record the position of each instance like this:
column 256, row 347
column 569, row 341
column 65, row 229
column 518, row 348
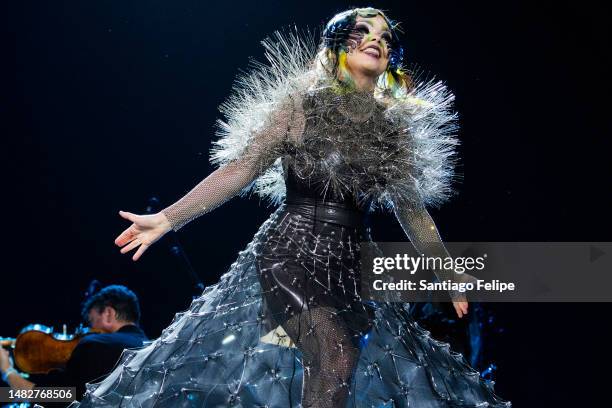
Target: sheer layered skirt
column 286, row 327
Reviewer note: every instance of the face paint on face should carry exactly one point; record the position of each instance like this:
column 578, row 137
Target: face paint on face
column 370, row 29
column 368, row 50
column 361, row 45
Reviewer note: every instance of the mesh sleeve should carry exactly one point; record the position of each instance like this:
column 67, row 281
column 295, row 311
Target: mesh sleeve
column 422, row 232
column 283, row 126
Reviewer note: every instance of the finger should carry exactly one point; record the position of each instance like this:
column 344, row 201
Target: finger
column 458, row 310
column 140, row 251
column 130, row 246
column 128, row 215
column 125, row 237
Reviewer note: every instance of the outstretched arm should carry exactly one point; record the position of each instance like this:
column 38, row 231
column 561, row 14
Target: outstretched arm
column 220, row 186
column 284, row 125
column 422, row 232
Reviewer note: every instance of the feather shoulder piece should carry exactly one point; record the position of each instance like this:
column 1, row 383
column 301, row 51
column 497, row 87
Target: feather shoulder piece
column 258, row 95
column 378, row 149
column 427, row 124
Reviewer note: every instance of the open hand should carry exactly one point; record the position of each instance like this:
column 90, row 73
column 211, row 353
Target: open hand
column 461, row 307
column 460, row 302
column 144, row 232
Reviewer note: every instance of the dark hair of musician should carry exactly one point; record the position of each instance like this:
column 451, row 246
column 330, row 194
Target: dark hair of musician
column 120, row 298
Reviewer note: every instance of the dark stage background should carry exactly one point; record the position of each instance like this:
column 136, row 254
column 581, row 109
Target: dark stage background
column 113, row 102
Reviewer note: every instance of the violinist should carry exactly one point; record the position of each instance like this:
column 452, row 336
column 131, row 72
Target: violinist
column 114, row 313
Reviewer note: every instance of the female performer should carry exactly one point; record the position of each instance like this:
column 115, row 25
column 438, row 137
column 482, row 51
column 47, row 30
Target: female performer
column 329, row 133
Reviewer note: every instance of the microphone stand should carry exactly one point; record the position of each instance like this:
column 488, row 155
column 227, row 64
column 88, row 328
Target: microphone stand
column 176, row 248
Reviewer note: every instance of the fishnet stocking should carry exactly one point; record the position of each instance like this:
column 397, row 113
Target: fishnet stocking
column 329, row 357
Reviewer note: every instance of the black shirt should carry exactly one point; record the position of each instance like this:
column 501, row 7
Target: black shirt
column 92, row 359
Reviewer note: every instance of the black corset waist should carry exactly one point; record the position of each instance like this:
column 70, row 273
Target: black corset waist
column 340, row 213
column 304, row 198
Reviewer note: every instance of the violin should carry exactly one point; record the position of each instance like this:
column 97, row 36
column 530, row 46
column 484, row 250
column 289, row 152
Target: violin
column 38, row 350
